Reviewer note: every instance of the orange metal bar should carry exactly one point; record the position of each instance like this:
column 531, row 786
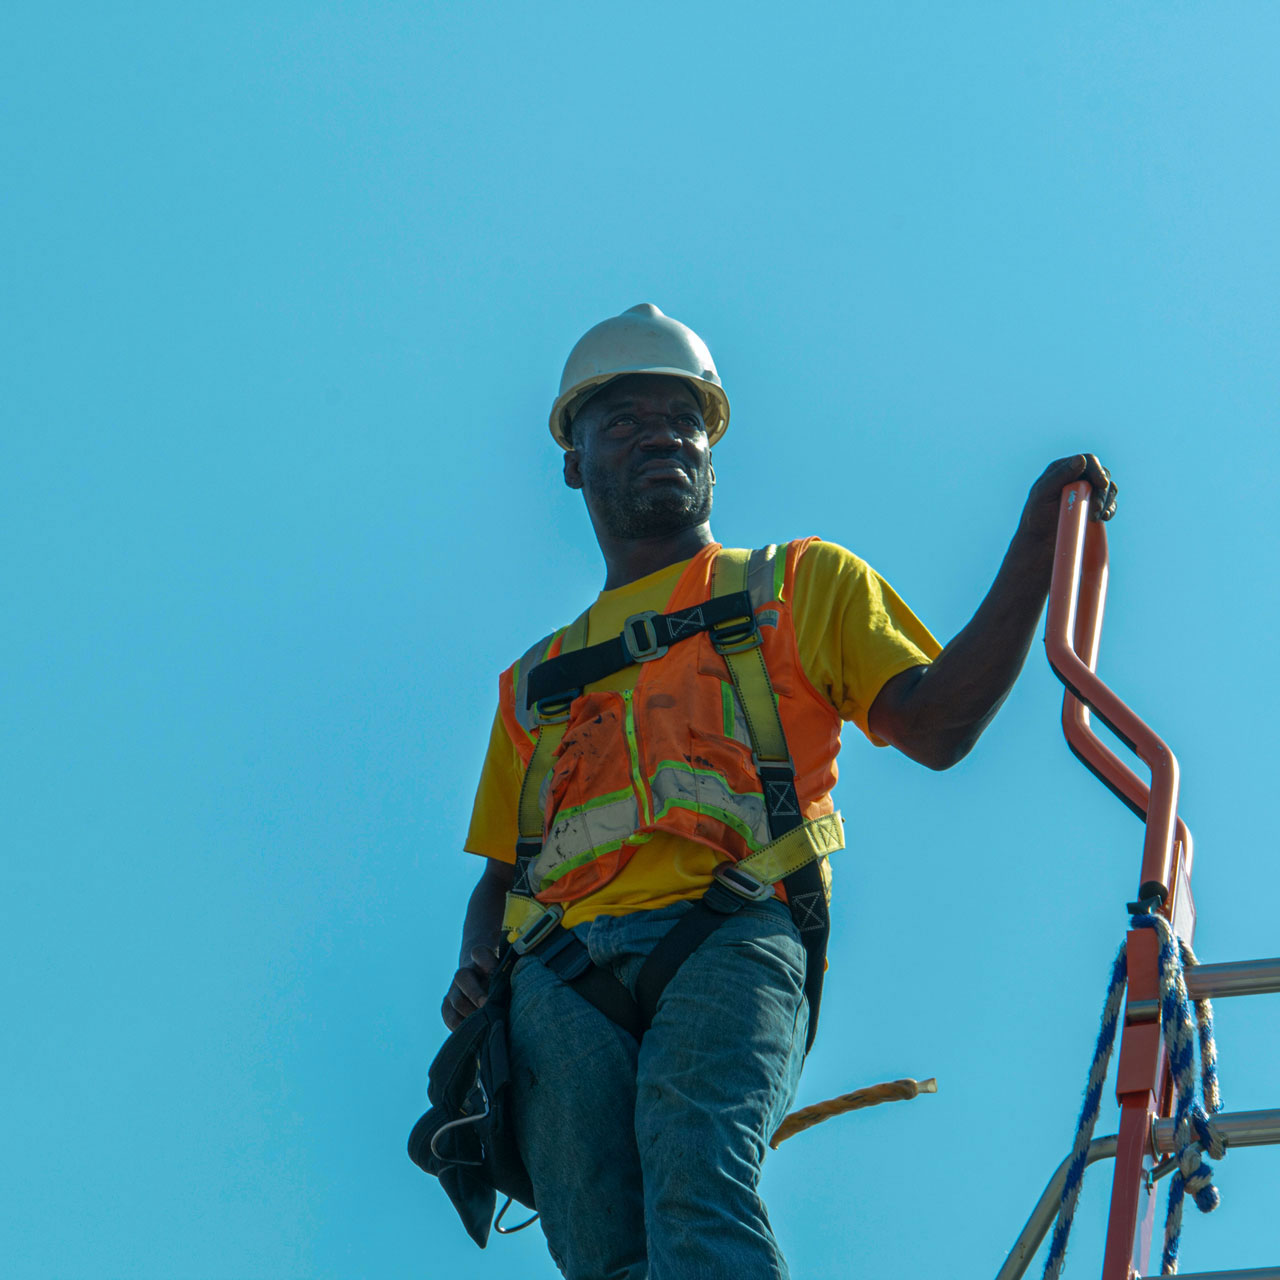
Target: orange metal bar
column 1127, row 1252
column 1077, row 597
column 1091, row 599
column 1080, row 574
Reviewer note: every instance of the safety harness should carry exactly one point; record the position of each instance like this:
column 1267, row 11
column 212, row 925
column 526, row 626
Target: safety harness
column 796, row 844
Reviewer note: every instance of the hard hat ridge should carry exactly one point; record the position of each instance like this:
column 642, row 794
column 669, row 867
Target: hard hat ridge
column 640, row 340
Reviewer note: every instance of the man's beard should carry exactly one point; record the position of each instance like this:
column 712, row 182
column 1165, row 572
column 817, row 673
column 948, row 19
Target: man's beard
column 626, row 510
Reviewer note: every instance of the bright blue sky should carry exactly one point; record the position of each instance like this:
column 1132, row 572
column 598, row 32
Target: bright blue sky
column 287, row 290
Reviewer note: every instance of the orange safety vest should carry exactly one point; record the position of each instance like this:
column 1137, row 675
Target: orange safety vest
column 674, row 753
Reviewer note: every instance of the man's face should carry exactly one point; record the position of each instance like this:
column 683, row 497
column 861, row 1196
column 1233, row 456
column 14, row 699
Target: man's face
column 641, row 457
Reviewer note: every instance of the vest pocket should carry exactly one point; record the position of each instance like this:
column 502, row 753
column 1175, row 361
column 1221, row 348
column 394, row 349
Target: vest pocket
column 590, row 801
column 726, row 792
column 592, row 755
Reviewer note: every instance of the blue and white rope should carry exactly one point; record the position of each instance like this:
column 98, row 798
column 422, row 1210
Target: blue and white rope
column 1193, row 1128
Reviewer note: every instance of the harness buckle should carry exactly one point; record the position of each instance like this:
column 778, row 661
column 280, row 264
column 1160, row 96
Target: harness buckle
column 743, row 883
column 555, row 709
column 786, row 766
column 640, row 637
column 735, row 635
column 539, row 930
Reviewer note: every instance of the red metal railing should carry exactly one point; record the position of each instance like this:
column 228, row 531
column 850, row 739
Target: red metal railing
column 1143, row 1086
column 1076, row 601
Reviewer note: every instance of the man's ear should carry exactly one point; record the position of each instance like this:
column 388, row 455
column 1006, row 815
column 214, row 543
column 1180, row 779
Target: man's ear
column 572, row 469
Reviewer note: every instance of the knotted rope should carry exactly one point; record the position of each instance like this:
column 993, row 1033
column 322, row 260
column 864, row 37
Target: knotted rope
column 1193, row 1130
column 892, row 1091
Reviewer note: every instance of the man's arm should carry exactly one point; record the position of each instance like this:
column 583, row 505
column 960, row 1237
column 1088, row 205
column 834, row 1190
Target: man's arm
column 935, row 714
column 478, row 954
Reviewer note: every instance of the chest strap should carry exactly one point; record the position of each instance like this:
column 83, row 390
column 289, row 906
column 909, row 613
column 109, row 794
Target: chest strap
column 552, row 686
column 644, row 636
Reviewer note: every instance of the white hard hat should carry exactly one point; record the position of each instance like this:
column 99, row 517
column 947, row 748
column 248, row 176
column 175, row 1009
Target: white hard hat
column 640, row 340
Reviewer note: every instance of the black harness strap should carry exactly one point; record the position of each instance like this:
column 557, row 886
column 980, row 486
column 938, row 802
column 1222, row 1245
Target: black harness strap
column 567, row 957
column 644, row 636
column 688, row 933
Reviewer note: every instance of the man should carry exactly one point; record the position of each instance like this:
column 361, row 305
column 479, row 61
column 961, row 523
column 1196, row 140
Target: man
column 644, row 1133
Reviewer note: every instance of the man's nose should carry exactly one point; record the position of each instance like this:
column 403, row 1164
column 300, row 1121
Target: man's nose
column 657, row 430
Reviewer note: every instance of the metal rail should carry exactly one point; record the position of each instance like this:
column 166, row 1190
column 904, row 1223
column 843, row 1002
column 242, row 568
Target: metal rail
column 1077, row 596
column 1235, row 978
column 1257, row 1273
column 1076, row 601
column 1238, row 1129
column 1046, row 1210
column 1216, row 981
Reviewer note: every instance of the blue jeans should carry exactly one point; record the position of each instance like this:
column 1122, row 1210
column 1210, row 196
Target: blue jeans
column 645, row 1159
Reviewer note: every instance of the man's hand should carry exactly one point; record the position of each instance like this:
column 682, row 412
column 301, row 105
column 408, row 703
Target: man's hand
column 481, row 933
column 935, row 713
column 470, row 988
column 1040, row 515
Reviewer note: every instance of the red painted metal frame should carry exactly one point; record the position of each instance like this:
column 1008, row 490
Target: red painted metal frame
column 1077, row 596
column 1080, row 575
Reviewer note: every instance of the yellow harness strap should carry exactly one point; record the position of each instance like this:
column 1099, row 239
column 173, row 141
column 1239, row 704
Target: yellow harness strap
column 521, row 910
column 519, row 913
column 746, row 666
column 550, row 732
column 814, row 837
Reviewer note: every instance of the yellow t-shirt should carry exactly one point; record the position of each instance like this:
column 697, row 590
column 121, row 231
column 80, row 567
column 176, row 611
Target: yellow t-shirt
column 853, row 634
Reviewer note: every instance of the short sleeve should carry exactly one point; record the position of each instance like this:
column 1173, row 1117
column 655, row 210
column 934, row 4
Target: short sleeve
column 494, row 816
column 853, row 631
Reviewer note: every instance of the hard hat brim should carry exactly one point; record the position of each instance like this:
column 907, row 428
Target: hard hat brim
column 715, row 404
